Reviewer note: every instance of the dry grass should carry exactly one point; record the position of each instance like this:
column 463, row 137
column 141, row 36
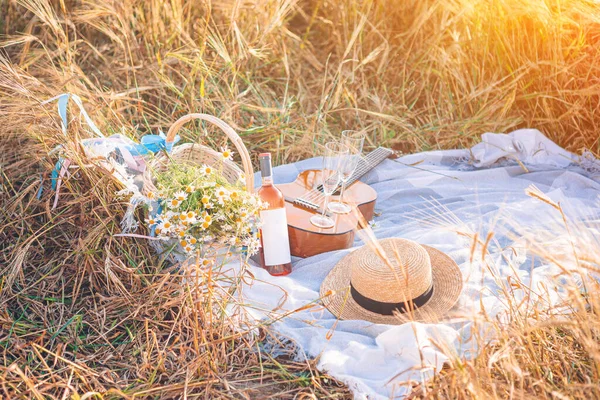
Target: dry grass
column 83, row 312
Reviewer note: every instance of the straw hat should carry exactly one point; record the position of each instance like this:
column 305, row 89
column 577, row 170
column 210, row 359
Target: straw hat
column 416, row 282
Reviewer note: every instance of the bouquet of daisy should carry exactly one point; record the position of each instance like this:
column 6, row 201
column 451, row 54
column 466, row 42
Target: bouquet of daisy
column 200, row 212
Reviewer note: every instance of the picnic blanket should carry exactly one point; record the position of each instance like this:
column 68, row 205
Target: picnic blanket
column 453, row 200
column 442, row 199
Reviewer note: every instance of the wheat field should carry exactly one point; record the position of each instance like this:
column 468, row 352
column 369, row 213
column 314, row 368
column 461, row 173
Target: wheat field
column 85, row 316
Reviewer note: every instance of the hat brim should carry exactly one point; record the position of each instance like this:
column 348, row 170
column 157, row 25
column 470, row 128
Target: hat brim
column 447, row 286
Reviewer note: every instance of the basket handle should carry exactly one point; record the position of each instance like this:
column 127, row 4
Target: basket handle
column 234, row 137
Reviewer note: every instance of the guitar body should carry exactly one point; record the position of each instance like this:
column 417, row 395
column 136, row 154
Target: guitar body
column 308, row 240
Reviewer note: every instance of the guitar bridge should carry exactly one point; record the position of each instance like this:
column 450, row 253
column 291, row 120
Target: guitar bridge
column 306, row 204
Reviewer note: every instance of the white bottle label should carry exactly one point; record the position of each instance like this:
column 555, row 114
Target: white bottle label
column 276, row 242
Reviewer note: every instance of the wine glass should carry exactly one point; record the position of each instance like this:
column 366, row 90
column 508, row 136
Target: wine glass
column 354, row 140
column 335, row 153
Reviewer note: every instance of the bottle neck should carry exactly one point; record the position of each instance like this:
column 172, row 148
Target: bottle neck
column 266, row 171
column 267, row 180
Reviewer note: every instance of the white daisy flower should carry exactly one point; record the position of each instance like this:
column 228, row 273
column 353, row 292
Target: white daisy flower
column 165, row 227
column 189, row 217
column 206, row 170
column 189, row 249
column 151, row 221
column 222, row 195
column 226, row 153
column 181, row 195
column 205, row 224
column 205, row 262
column 221, row 192
column 205, row 200
column 173, row 203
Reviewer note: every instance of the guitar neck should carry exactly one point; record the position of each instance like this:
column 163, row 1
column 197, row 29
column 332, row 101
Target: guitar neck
column 369, row 162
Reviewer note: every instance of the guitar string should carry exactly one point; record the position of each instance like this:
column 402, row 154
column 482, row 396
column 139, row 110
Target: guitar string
column 370, row 161
column 366, row 166
column 315, row 193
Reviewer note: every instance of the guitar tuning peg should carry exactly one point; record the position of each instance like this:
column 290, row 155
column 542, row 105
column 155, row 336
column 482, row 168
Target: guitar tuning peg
column 395, row 154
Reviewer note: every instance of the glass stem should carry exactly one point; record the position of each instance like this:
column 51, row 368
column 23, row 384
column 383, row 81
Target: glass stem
column 342, row 192
column 325, row 205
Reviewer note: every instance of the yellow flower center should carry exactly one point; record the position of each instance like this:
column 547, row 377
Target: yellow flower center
column 167, row 225
column 208, row 170
column 193, row 240
column 190, row 214
column 205, row 200
column 174, row 202
column 205, row 224
column 183, row 243
column 207, row 218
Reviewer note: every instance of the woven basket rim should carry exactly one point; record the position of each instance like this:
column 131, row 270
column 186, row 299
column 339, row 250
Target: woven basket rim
column 246, row 169
column 178, row 154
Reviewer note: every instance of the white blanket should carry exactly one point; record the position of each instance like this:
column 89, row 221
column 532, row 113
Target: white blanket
column 436, row 198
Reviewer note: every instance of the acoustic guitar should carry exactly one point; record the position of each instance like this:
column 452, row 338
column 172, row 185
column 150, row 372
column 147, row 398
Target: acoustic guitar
column 304, row 197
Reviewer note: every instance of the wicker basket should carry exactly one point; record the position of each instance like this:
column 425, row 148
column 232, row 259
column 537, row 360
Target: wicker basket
column 199, row 154
column 194, row 153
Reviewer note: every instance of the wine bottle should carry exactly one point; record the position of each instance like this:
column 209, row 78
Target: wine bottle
column 275, row 243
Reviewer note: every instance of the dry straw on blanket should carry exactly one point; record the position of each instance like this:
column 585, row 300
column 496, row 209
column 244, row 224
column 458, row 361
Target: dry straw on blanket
column 372, row 284
column 193, row 153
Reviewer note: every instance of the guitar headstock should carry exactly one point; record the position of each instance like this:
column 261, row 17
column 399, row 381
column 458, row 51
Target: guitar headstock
column 392, row 154
column 395, row 154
